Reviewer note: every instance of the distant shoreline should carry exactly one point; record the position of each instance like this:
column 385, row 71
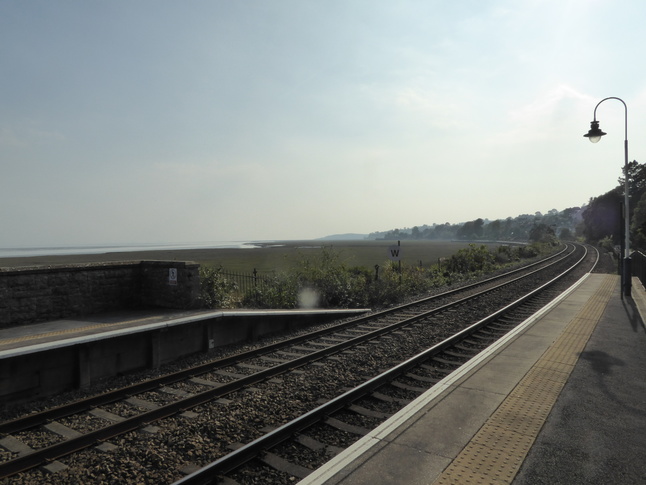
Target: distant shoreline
column 16, row 252
column 200, row 253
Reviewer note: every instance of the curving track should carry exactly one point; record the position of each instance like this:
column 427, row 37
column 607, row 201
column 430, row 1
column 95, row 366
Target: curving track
column 193, row 417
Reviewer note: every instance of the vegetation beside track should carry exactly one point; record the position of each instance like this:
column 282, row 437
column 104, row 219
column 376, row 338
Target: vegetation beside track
column 324, row 280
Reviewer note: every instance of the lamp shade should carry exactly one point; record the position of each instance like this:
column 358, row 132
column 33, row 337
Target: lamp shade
column 595, row 133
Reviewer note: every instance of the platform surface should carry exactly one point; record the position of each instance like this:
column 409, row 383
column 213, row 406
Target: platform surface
column 70, row 331
column 562, row 400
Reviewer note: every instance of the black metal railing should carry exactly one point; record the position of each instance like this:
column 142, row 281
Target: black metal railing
column 638, row 265
column 246, row 282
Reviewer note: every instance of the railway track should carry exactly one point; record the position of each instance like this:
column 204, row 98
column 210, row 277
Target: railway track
column 204, row 399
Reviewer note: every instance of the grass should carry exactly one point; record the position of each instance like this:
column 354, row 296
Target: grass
column 367, row 254
column 282, row 255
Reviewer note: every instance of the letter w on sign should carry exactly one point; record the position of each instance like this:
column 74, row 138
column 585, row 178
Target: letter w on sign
column 394, row 253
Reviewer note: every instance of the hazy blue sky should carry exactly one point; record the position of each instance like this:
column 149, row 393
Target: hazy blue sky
column 168, row 121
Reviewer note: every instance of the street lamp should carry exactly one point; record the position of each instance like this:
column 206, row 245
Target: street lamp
column 594, row 135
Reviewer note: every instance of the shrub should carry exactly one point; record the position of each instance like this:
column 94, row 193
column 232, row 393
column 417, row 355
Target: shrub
column 324, row 281
column 216, row 291
column 279, row 292
column 474, row 259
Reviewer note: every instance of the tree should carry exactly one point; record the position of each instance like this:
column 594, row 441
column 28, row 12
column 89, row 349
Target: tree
column 636, row 179
column 471, row 230
column 493, row 230
column 602, row 217
column 541, row 233
column 638, row 224
column 566, row 235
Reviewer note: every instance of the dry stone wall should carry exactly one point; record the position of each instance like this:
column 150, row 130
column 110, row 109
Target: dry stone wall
column 30, row 295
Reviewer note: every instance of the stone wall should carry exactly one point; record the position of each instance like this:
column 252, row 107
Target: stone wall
column 170, row 284
column 30, row 295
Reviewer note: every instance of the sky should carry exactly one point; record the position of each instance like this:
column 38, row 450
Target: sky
column 157, row 121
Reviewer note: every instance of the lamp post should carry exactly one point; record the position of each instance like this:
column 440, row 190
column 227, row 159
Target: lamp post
column 594, row 135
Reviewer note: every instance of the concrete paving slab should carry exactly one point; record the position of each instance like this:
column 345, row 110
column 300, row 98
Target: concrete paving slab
column 595, row 432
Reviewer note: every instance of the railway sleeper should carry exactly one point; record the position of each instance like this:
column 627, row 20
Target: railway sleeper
column 282, row 465
column 470, row 346
column 228, row 375
column 302, row 348
column 226, row 481
column 406, row 387
column 448, row 362
column 323, row 345
column 142, row 403
column 429, row 380
column 343, row 337
column 289, row 356
column 274, row 360
column 355, row 408
column 54, row 466
column 390, row 399
column 244, row 365
column 465, row 354
column 62, row 430
column 506, row 320
column 491, row 331
column 14, row 445
column 335, row 340
column 316, row 445
column 480, row 338
column 445, row 371
column 108, row 416
column 350, row 428
column 205, row 382
column 174, row 392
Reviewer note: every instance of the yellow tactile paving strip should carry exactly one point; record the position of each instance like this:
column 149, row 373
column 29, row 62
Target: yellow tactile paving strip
column 497, row 451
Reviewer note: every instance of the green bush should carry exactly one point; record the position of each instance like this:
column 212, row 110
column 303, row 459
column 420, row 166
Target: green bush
column 216, row 291
column 472, row 260
column 280, row 291
column 606, row 244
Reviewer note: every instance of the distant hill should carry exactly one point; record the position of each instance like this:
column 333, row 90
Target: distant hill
column 344, row 237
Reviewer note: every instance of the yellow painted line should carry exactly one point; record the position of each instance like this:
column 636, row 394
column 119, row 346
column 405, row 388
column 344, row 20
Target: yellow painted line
column 26, row 338
column 498, row 449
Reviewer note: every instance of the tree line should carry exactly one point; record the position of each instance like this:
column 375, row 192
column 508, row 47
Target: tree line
column 603, row 218
column 598, row 222
column 526, row 227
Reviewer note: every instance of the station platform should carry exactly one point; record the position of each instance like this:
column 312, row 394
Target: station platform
column 562, row 399
column 72, row 331
column 41, row 360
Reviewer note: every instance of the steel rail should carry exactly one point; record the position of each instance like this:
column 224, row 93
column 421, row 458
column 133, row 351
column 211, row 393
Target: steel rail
column 249, row 451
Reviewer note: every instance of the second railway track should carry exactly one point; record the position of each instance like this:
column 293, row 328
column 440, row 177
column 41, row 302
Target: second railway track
column 173, row 425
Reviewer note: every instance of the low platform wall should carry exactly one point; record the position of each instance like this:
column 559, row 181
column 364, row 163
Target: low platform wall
column 44, row 370
column 31, row 295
